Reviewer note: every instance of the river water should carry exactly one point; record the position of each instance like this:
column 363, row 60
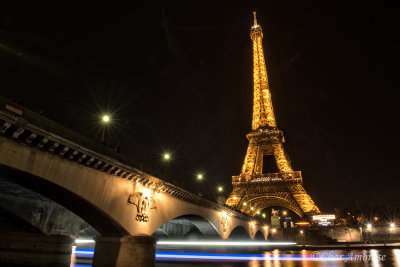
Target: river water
column 274, row 258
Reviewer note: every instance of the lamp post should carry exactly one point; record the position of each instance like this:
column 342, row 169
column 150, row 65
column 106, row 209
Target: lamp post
column 371, row 230
column 166, row 158
column 106, row 120
column 200, row 177
column 391, row 229
column 219, row 196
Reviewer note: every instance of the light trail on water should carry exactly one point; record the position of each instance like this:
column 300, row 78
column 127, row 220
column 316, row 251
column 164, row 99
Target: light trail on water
column 218, row 257
column 225, row 243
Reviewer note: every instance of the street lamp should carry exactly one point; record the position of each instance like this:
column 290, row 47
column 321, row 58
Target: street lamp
column 369, row 226
column 284, row 212
column 392, row 226
column 199, row 176
column 220, row 189
column 166, row 158
column 105, row 119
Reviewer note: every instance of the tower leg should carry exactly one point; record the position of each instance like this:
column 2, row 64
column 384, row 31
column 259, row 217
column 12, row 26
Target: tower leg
column 125, row 251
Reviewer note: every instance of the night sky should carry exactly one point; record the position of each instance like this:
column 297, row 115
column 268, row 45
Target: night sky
column 177, row 77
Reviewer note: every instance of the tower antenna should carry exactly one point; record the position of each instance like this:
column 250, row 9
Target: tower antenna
column 255, row 18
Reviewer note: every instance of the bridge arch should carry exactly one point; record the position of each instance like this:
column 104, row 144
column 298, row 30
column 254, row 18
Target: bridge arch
column 239, row 232
column 103, row 223
column 260, row 235
column 263, row 202
column 187, row 226
column 14, row 223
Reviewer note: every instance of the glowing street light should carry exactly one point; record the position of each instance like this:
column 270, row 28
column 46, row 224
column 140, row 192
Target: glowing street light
column 167, row 156
column 284, row 212
column 273, row 230
column 252, row 208
column 244, row 203
column 392, row 225
column 369, row 226
column 106, row 118
column 263, row 215
column 301, row 232
column 220, row 189
column 258, row 212
column 199, row 176
column 376, row 218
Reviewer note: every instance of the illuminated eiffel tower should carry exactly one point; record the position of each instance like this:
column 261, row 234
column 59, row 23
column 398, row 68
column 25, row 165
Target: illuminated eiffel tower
column 254, row 190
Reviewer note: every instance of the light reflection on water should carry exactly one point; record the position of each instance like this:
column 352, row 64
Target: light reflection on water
column 277, row 258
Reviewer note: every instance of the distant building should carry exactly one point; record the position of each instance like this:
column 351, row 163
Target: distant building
column 324, row 219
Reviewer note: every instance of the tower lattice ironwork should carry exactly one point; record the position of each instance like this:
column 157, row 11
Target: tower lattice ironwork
column 254, row 190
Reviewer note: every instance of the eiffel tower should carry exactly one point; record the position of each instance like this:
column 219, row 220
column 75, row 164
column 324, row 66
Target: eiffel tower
column 254, row 190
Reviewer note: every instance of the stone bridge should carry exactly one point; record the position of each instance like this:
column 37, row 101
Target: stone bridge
column 125, row 205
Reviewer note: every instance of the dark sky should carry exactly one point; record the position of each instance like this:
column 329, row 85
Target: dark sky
column 177, row 77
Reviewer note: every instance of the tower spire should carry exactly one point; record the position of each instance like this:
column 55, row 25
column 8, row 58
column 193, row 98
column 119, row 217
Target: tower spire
column 255, row 18
column 263, row 112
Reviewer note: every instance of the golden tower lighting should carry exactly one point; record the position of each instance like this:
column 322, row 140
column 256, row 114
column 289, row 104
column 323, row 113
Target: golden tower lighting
column 253, row 186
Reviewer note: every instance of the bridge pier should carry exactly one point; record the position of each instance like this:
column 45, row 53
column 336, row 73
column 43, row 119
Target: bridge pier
column 125, row 251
